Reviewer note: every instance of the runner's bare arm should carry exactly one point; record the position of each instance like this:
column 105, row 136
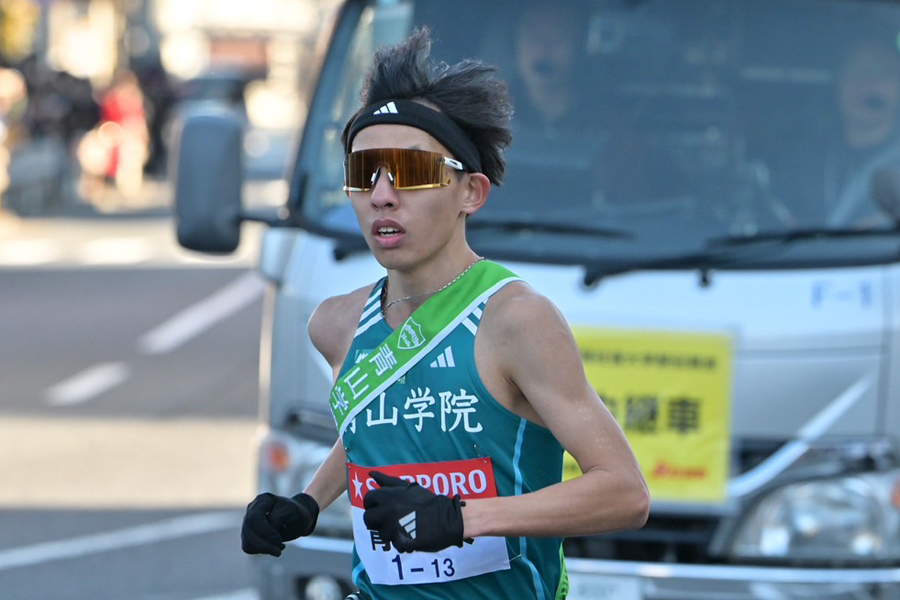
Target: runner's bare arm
column 331, row 328
column 330, row 479
column 542, row 377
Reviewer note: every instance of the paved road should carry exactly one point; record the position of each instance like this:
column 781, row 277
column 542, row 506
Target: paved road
column 128, row 396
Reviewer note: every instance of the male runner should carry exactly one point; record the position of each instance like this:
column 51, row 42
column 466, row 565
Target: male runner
column 454, row 473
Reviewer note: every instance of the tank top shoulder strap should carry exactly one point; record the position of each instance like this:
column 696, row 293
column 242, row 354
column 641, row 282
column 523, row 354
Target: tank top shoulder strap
column 371, row 313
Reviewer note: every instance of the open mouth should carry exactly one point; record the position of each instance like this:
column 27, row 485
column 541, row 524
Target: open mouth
column 386, row 229
column 387, row 232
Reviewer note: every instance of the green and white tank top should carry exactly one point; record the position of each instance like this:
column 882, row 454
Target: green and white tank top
column 439, row 425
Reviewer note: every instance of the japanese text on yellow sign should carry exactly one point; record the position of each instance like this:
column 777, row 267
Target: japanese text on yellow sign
column 671, row 394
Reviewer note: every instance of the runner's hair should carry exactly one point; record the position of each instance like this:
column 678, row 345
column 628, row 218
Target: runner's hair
column 469, row 92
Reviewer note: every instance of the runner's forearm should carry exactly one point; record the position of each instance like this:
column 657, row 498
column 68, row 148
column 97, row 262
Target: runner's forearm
column 330, row 480
column 596, row 502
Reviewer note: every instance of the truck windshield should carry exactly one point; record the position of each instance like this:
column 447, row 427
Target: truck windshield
column 646, row 131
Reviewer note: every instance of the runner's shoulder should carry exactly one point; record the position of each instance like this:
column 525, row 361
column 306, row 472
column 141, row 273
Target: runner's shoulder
column 334, row 321
column 516, row 308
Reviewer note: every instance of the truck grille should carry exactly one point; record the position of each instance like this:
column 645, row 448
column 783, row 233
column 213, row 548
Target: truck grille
column 681, row 539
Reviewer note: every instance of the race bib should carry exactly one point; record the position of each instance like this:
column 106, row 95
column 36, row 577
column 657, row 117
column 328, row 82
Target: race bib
column 473, row 478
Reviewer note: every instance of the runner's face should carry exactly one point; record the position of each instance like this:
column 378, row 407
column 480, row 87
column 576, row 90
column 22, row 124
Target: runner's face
column 405, row 227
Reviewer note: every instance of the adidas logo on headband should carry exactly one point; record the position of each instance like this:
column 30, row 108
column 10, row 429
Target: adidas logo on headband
column 388, row 109
column 437, row 124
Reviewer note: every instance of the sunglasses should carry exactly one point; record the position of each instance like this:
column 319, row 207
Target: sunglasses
column 406, row 168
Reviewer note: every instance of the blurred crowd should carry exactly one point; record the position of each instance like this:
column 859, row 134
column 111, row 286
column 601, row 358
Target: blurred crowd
column 65, row 140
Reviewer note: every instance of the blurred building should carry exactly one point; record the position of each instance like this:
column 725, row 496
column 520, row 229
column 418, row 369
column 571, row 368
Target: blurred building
column 265, row 40
column 70, row 53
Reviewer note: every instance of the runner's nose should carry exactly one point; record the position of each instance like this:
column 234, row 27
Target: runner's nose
column 376, row 176
column 383, row 192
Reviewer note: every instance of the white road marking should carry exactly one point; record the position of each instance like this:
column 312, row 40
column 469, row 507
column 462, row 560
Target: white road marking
column 29, row 252
column 107, row 463
column 166, row 337
column 196, row 319
column 116, row 251
column 90, row 243
column 88, row 384
column 238, row 595
column 142, row 535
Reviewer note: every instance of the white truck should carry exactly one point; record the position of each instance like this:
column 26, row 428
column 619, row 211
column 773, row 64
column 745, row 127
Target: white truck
column 717, row 220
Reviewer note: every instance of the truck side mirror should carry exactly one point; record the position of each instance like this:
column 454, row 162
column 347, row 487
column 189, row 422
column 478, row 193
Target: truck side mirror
column 208, row 176
column 886, row 191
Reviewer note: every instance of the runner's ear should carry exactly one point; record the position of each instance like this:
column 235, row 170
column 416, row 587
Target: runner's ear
column 478, row 186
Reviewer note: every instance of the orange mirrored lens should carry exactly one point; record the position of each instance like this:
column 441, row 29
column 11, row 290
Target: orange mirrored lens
column 410, row 169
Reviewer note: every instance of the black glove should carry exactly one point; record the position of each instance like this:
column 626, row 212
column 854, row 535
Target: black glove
column 272, row 520
column 411, row 517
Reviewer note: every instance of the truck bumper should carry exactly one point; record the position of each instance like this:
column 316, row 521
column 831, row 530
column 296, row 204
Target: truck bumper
column 657, row 581
column 618, row 580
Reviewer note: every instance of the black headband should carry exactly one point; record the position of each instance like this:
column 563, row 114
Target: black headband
column 437, row 124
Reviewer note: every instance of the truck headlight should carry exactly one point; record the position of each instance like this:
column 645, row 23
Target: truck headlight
column 846, row 519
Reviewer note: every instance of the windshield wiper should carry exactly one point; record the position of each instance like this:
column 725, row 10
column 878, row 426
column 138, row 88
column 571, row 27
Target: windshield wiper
column 525, row 225
column 701, row 261
column 723, row 251
column 797, row 235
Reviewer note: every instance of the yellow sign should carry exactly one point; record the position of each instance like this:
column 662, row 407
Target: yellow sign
column 671, row 394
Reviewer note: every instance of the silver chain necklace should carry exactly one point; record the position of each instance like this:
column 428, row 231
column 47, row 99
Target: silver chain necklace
column 414, row 296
